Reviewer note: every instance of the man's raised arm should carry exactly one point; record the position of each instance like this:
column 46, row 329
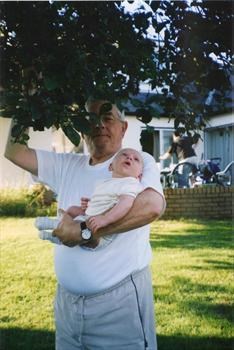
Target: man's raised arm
column 21, row 155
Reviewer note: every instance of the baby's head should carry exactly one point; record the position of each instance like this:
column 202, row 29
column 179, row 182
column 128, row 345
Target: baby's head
column 127, row 162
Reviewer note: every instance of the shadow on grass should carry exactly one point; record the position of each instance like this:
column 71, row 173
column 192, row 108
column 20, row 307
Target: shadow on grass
column 205, row 306
column 217, row 311
column 25, row 339
column 185, row 285
column 202, row 237
column 179, row 342
column 214, row 265
column 221, row 265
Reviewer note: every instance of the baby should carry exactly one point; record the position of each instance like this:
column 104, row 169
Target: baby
column 111, row 200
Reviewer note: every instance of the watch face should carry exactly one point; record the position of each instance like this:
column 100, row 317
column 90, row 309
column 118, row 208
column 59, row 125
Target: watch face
column 86, row 234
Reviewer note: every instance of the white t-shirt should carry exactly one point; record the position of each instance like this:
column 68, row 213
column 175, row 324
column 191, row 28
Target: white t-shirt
column 107, row 192
column 85, row 271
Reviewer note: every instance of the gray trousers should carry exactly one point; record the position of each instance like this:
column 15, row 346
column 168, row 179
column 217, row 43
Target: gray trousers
column 120, row 318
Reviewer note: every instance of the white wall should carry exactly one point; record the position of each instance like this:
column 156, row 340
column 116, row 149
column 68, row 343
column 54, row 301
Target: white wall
column 132, row 136
column 10, row 174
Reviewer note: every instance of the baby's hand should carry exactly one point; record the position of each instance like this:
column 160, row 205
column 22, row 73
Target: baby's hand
column 84, row 203
column 96, row 222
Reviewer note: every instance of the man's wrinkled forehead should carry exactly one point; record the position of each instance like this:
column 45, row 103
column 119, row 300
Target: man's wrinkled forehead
column 95, row 106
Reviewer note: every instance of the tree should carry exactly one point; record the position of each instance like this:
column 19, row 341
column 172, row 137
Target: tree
column 54, row 55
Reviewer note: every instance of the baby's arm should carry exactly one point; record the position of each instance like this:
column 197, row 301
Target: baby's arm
column 114, row 214
column 75, row 211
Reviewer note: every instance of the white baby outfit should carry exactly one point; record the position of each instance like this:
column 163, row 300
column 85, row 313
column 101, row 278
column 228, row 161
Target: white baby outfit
column 107, row 192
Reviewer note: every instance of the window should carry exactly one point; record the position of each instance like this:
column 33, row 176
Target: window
column 157, row 143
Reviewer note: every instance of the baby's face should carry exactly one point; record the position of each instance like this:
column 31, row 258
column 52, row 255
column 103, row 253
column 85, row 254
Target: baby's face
column 128, row 162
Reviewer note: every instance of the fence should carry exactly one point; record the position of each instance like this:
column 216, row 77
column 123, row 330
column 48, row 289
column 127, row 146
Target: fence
column 208, row 202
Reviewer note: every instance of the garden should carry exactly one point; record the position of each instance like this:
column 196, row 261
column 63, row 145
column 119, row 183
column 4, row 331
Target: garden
column 181, row 51
column 192, row 281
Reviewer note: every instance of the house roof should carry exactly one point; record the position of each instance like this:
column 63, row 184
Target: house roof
column 139, row 100
column 157, row 100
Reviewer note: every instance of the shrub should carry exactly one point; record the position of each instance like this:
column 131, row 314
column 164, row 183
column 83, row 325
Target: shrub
column 28, row 202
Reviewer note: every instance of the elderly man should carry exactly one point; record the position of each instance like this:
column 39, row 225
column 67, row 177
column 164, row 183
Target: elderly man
column 104, row 297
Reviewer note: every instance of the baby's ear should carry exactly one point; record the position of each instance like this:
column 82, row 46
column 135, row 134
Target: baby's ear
column 110, row 167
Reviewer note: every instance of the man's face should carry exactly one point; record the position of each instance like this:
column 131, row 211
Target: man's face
column 106, row 136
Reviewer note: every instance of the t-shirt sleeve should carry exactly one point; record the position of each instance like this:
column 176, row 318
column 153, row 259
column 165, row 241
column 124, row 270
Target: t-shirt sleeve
column 51, row 167
column 151, row 174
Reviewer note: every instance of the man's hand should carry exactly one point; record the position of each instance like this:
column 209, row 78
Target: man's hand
column 68, row 231
column 96, row 222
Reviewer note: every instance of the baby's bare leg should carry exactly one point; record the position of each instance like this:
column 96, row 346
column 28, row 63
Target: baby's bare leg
column 46, row 225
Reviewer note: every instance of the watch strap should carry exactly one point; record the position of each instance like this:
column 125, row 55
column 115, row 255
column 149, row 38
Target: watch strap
column 85, row 233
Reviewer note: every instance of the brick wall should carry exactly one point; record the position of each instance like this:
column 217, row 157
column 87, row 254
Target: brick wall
column 208, row 202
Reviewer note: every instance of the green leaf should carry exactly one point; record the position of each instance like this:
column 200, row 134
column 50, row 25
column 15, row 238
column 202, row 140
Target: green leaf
column 5, row 113
column 81, row 124
column 16, row 130
column 143, row 115
column 136, row 103
column 51, row 83
column 72, row 134
column 35, row 110
column 38, row 125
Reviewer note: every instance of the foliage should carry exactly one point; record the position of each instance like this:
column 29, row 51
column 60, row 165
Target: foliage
column 54, row 55
column 36, row 201
column 192, row 271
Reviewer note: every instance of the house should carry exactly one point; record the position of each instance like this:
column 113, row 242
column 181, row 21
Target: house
column 217, row 141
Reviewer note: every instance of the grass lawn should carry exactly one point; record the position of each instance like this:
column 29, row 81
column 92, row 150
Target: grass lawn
column 192, row 279
column 193, row 284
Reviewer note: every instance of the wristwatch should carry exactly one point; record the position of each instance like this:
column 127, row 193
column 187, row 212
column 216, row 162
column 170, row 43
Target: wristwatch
column 85, row 232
